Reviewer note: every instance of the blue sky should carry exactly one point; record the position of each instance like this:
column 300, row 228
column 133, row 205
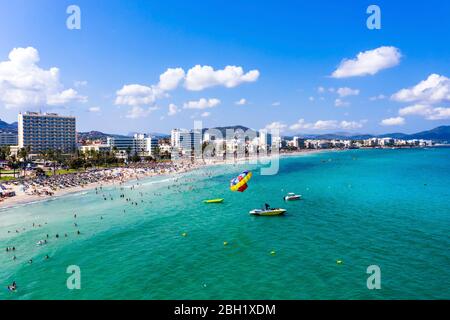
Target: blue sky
column 294, row 46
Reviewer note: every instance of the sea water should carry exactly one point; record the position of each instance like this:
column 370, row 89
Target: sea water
column 388, row 208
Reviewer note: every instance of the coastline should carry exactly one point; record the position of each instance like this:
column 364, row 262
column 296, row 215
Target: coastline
column 22, row 198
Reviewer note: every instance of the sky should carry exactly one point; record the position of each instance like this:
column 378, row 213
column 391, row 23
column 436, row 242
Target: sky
column 299, row 66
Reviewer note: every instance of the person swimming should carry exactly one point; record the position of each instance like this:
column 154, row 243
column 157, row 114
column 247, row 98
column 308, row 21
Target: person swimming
column 13, row 286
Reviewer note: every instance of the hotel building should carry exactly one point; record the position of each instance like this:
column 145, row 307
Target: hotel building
column 46, row 131
column 8, row 139
column 140, row 144
column 187, row 141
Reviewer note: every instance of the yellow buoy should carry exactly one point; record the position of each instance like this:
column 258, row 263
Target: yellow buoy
column 272, row 253
column 225, row 243
column 184, row 234
column 339, row 261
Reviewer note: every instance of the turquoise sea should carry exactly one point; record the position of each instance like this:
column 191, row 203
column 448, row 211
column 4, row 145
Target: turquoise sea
column 388, row 208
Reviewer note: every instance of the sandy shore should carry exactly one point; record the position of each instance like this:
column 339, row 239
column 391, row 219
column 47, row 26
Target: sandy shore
column 22, row 198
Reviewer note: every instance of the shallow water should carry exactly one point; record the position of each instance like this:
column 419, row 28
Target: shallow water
column 365, row 207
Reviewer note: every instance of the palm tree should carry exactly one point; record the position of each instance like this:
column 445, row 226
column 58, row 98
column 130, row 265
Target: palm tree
column 4, row 152
column 13, row 164
column 23, row 157
column 157, row 152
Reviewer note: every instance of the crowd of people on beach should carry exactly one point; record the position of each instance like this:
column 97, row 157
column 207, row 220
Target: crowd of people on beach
column 125, row 195
column 49, row 185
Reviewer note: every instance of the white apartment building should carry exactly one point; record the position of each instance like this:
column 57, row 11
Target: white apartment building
column 8, row 139
column 186, row 140
column 95, row 147
column 46, row 131
column 141, row 144
column 265, row 140
column 387, row 142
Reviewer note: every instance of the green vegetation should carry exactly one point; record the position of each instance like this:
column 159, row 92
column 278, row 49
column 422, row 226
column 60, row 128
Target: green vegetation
column 66, row 164
column 6, row 178
column 6, row 172
column 63, row 171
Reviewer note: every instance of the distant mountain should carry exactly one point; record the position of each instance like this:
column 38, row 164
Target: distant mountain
column 9, row 127
column 96, row 135
column 437, row 134
column 158, row 135
column 395, row 135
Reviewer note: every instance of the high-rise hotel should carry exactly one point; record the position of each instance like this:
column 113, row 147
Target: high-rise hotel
column 46, row 131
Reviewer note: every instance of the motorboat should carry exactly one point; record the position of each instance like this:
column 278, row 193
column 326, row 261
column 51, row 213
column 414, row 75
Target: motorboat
column 268, row 212
column 292, row 196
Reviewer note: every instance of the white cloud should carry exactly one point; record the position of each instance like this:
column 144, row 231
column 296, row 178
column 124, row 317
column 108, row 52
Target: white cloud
column 139, row 112
column 80, row 83
column 170, row 79
column 205, row 114
column 427, row 93
column 378, row 97
column 94, row 109
column 202, row 104
column 241, row 102
column 320, row 89
column 340, row 103
column 24, row 83
column 434, row 89
column 368, row 62
column 397, row 121
column 64, row 97
column 276, row 126
column 327, row 125
column 351, row 125
column 138, row 95
column 301, row 124
column 311, row 99
column 439, row 114
column 196, row 79
column 276, row 104
column 427, row 111
column 345, row 91
column 417, row 109
column 173, row 110
column 202, row 77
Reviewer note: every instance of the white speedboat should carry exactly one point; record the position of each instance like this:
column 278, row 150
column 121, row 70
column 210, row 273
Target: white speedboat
column 269, row 212
column 292, row 196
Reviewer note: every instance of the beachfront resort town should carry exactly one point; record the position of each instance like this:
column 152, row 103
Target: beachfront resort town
column 48, row 143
